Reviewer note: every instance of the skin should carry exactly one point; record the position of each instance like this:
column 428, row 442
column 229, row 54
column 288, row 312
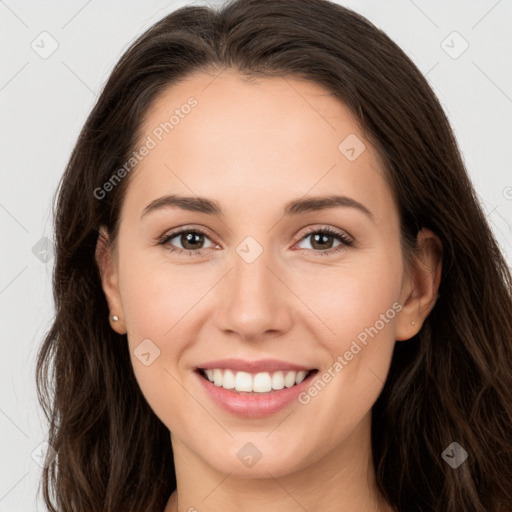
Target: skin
column 253, row 147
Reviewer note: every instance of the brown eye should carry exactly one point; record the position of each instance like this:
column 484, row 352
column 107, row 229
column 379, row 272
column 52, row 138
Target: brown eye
column 191, row 241
column 322, row 240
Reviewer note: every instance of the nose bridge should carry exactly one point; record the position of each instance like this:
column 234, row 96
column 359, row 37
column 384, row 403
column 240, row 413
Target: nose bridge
column 251, row 274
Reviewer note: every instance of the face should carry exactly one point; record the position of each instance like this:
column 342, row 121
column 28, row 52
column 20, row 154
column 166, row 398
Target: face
column 261, row 279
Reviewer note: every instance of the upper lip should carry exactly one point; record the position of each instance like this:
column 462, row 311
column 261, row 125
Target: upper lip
column 262, row 365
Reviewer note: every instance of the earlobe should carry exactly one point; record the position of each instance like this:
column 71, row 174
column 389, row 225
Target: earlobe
column 109, row 280
column 419, row 292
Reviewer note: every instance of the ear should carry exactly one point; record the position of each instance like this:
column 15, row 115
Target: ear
column 107, row 264
column 420, row 286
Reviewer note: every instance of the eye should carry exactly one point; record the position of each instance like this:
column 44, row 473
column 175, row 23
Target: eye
column 322, row 239
column 190, row 239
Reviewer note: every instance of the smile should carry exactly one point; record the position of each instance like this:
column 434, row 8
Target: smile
column 253, row 395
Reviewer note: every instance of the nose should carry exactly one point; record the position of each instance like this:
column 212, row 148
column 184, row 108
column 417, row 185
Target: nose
column 254, row 301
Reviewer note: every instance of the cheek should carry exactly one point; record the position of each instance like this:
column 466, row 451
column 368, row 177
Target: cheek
column 358, row 306
column 149, row 305
column 362, row 315
column 156, row 342
column 352, row 298
column 155, row 304
column 156, row 295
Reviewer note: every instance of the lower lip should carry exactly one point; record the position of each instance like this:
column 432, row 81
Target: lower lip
column 253, row 405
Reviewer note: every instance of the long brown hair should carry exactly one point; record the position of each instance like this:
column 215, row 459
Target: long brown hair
column 451, row 383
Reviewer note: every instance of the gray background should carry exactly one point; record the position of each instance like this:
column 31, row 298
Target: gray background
column 45, row 101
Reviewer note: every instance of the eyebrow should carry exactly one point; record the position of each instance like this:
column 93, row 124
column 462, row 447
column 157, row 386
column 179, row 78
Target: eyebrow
column 292, row 208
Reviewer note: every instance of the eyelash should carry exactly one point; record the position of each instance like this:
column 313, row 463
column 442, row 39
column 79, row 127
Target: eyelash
column 346, row 242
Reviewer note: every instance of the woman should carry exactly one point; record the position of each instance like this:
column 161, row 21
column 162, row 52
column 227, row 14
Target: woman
column 275, row 288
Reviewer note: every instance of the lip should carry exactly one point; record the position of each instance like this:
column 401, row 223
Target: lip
column 263, row 365
column 252, row 405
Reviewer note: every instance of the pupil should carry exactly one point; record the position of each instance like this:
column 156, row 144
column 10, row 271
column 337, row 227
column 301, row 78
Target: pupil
column 321, row 236
column 189, row 238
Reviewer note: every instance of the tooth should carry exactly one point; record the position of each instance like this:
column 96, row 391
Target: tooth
column 243, row 381
column 217, row 377
column 300, row 376
column 262, row 382
column 278, row 380
column 229, row 380
column 289, row 379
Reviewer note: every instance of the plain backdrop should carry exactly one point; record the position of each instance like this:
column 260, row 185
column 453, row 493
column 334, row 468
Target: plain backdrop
column 55, row 58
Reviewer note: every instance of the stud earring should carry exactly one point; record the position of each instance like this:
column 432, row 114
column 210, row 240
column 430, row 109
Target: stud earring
column 413, row 322
column 115, row 318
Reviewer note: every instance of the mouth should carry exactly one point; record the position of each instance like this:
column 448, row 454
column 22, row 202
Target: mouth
column 253, row 388
column 260, row 383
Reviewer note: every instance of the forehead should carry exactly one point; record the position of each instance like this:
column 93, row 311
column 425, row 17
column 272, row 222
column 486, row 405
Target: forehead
column 269, row 140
